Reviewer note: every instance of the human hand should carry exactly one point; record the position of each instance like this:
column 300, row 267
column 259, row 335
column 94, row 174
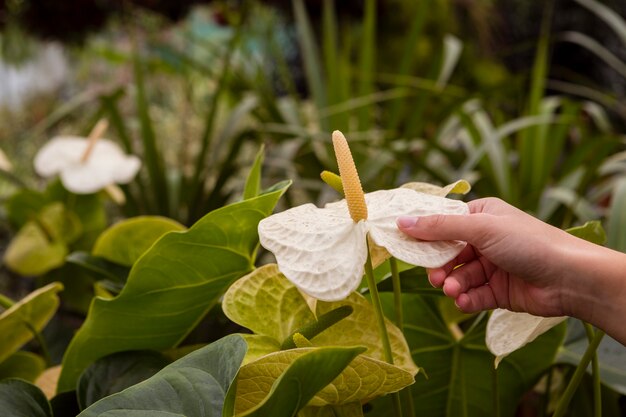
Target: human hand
column 512, row 259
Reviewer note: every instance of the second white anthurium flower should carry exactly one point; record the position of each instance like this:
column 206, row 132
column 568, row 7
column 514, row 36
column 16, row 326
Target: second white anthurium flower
column 323, row 250
column 86, row 165
column 508, row 331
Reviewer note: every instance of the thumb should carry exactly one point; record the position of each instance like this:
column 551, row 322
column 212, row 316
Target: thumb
column 468, row 227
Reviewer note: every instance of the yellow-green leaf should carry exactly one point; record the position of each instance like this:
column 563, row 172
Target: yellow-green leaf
column 265, row 291
column 32, row 313
column 458, row 187
column 124, row 242
column 363, row 379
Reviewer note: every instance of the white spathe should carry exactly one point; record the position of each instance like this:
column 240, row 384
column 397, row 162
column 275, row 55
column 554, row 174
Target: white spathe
column 508, row 331
column 107, row 164
column 323, row 251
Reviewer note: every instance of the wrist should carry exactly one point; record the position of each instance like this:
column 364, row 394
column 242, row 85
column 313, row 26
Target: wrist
column 595, row 287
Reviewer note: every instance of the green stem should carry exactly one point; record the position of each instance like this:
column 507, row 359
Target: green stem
column 5, row 301
column 407, row 398
column 42, row 344
column 378, row 310
column 595, row 369
column 382, row 328
column 397, row 293
column 561, row 408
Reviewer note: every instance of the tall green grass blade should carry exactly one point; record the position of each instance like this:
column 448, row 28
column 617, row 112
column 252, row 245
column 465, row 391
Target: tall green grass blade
column 152, row 158
column 366, row 67
column 532, row 145
column 330, row 50
column 311, row 58
column 399, row 107
column 337, row 67
column 610, row 17
column 617, row 218
column 253, row 181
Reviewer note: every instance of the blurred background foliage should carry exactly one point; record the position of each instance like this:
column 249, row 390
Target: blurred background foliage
column 523, row 99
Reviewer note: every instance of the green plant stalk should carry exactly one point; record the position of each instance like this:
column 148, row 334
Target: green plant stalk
column 407, row 398
column 310, row 330
column 380, row 318
column 397, row 292
column 42, row 344
column 595, row 372
column 5, row 301
column 561, row 408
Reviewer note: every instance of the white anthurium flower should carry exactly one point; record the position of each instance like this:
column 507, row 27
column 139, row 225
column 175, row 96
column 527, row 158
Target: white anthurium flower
column 508, row 331
column 86, row 165
column 323, row 250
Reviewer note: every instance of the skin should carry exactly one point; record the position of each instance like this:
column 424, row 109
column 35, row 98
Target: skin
column 517, row 262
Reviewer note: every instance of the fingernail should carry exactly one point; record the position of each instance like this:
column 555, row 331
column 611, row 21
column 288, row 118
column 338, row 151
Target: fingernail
column 406, row 222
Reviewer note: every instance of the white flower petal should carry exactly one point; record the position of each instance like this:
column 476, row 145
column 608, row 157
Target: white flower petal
column 57, row 153
column 385, row 206
column 107, row 164
column 322, row 251
column 508, row 331
column 126, row 169
column 84, row 179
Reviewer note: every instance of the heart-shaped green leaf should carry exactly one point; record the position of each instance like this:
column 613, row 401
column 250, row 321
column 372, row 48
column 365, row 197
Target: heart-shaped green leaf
column 21, row 399
column 124, row 242
column 24, row 365
column 266, row 291
column 282, row 383
column 116, row 372
column 32, row 253
column 268, row 304
column 30, row 314
column 171, row 287
column 193, row 386
column 460, row 368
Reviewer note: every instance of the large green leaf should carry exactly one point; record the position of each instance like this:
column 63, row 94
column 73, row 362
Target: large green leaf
column 172, row 286
column 117, row 372
column 281, row 384
column 460, row 369
column 21, row 399
column 193, row 386
column 124, row 242
column 30, row 314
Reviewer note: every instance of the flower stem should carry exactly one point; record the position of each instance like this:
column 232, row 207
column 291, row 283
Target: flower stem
column 595, row 369
column 382, row 328
column 6, row 302
column 378, row 310
column 406, row 395
column 397, row 292
column 561, row 408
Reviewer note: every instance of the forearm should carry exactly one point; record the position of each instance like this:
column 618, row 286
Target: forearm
column 597, row 293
